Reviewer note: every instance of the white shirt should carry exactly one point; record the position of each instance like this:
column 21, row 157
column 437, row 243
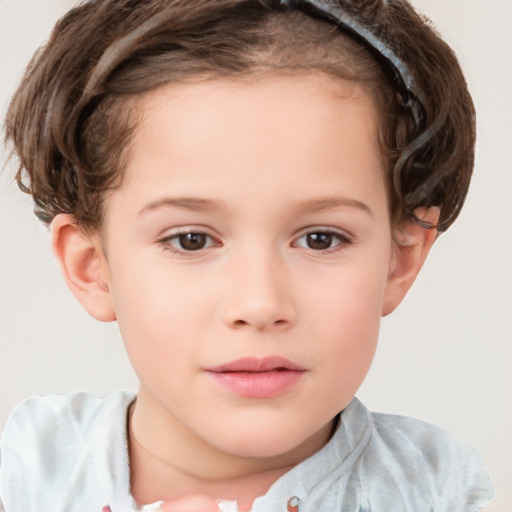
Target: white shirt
column 69, row 454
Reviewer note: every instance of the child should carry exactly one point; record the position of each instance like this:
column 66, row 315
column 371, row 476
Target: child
column 245, row 186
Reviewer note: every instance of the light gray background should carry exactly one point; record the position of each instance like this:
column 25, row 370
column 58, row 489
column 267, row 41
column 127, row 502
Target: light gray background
column 445, row 356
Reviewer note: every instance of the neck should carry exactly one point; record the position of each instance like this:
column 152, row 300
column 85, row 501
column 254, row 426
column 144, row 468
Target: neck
column 168, row 462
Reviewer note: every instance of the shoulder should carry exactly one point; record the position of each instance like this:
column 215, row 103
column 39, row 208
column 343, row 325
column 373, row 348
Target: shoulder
column 411, row 440
column 62, row 416
column 62, row 420
column 381, row 463
column 50, row 440
column 420, row 455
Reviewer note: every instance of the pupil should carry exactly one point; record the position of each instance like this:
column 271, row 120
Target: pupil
column 319, row 240
column 193, row 241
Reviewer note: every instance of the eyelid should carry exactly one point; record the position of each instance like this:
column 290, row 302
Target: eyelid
column 324, row 229
column 184, row 229
column 171, row 234
column 343, row 236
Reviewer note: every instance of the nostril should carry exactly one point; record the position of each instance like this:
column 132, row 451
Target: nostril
column 259, row 325
column 258, row 314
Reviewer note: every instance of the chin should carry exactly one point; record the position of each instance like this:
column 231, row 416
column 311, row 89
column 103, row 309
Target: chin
column 267, row 441
column 260, row 449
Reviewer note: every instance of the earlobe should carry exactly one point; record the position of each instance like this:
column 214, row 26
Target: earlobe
column 84, row 267
column 410, row 251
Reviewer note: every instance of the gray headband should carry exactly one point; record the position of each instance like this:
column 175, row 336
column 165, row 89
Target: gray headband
column 410, row 94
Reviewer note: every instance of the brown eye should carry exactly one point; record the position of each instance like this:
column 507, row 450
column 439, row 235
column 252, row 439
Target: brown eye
column 189, row 242
column 326, row 241
column 319, row 241
column 192, row 241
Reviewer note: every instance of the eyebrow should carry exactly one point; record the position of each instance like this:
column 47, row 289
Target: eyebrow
column 185, row 203
column 331, row 203
column 304, row 207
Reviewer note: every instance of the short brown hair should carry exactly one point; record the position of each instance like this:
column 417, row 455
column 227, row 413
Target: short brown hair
column 73, row 114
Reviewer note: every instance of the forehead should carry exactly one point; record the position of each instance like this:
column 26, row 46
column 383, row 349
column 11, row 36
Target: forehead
column 286, row 133
column 222, row 99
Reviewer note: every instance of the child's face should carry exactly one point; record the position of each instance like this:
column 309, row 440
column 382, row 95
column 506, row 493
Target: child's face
column 282, row 181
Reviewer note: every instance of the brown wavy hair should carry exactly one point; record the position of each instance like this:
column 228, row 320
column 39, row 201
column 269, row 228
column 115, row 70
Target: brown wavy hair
column 73, row 116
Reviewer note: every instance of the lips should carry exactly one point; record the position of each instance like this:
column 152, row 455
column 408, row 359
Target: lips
column 258, row 377
column 254, row 364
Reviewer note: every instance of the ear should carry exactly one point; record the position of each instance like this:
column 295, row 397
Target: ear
column 412, row 245
column 84, row 267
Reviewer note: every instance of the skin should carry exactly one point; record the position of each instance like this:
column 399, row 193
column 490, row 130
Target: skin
column 262, row 163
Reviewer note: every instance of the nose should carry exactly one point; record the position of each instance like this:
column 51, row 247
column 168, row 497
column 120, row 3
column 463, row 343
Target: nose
column 260, row 295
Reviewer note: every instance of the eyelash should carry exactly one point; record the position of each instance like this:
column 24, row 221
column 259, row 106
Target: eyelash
column 166, row 242
column 343, row 240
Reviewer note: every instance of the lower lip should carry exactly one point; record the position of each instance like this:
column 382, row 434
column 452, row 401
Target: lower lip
column 259, row 384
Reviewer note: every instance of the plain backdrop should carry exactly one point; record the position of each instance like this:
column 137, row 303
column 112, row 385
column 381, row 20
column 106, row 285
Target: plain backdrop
column 445, row 355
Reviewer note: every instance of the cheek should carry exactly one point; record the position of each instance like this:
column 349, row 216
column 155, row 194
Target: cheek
column 345, row 321
column 351, row 332
column 349, row 297
column 347, row 356
column 156, row 312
